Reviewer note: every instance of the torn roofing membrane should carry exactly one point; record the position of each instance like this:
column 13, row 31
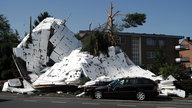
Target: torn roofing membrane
column 54, row 42
column 53, row 57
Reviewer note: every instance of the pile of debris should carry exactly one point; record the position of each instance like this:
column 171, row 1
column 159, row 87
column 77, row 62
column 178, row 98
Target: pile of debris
column 50, row 56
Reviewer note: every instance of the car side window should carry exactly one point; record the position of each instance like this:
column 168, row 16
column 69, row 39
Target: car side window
column 140, row 81
column 148, row 81
column 144, row 81
column 129, row 81
column 121, row 82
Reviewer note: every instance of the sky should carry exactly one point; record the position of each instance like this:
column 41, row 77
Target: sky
column 169, row 17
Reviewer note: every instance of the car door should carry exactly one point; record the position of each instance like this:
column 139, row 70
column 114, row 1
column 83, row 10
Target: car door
column 145, row 84
column 129, row 87
column 126, row 87
column 118, row 89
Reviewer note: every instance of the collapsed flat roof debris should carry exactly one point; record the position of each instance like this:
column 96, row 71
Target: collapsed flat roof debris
column 54, row 58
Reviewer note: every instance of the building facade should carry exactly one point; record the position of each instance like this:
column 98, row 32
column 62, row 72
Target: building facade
column 185, row 53
column 142, row 48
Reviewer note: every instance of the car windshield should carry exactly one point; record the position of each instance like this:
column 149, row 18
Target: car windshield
column 113, row 83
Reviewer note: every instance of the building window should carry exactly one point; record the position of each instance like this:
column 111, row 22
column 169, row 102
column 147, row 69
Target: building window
column 135, row 50
column 122, row 40
column 150, row 42
column 161, row 43
column 150, row 54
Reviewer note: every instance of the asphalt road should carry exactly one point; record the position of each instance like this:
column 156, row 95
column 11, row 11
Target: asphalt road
column 24, row 101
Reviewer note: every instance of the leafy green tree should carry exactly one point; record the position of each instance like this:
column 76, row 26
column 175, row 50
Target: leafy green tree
column 8, row 40
column 4, row 26
column 160, row 66
column 95, row 43
column 87, row 43
column 158, row 61
column 171, row 69
column 41, row 17
column 133, row 20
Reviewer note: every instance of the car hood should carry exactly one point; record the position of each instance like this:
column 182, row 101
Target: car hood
column 102, row 88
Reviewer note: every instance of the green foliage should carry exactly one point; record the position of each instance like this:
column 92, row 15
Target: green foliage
column 169, row 69
column 4, row 26
column 159, row 61
column 87, row 43
column 102, row 42
column 160, row 57
column 134, row 20
column 160, row 66
column 95, row 43
column 117, row 28
column 41, row 17
column 8, row 40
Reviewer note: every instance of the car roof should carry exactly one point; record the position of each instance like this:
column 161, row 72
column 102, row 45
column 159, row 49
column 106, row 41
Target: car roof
column 135, row 78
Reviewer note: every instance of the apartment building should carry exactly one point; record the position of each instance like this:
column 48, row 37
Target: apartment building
column 142, row 47
column 185, row 52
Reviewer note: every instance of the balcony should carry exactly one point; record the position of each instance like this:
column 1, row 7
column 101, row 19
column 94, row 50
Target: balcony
column 181, row 47
column 179, row 60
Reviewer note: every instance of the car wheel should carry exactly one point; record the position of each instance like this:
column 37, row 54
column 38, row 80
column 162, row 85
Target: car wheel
column 140, row 96
column 98, row 95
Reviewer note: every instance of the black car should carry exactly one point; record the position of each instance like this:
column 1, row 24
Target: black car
column 139, row 87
